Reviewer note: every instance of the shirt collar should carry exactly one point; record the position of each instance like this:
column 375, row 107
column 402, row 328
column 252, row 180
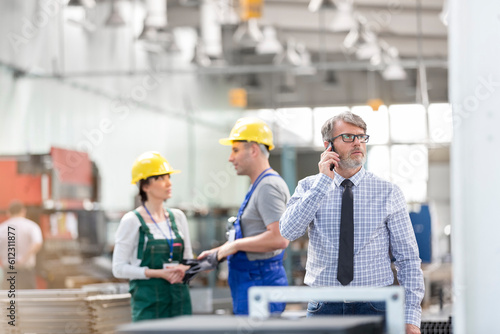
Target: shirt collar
column 356, row 178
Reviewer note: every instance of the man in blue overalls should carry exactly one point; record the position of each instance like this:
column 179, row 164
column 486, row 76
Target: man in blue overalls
column 255, row 247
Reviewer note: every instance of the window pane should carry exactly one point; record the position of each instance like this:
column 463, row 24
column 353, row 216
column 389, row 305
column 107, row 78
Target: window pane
column 294, row 126
column 414, row 191
column 440, row 122
column 409, row 162
column 377, row 123
column 321, row 115
column 378, row 162
column 409, row 170
column 408, row 123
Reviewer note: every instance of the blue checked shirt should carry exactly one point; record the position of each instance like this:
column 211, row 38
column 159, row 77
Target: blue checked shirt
column 381, row 223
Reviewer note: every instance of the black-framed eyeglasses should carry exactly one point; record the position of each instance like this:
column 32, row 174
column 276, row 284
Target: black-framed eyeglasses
column 349, row 138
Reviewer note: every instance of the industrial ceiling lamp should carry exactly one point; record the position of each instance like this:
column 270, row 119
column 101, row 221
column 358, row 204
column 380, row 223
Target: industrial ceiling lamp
column 248, row 34
column 156, row 19
column 368, row 44
column 393, row 69
column 115, row 18
column 344, row 18
column 156, row 36
column 289, row 56
column 77, row 13
column 317, row 5
column 81, row 3
column 361, row 40
column 200, row 57
column 305, row 67
column 394, row 72
column 269, row 43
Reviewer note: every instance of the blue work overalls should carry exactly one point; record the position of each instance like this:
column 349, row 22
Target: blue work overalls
column 244, row 273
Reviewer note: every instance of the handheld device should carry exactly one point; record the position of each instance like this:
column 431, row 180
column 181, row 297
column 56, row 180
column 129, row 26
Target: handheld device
column 332, row 166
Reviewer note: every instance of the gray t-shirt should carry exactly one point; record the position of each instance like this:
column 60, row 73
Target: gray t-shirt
column 267, row 204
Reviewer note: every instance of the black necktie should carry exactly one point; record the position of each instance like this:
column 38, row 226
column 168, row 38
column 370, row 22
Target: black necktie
column 346, row 239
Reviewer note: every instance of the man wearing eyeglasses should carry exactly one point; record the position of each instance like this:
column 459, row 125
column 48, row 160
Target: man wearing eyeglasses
column 354, row 218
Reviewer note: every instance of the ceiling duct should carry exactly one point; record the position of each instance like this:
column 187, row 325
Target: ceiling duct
column 317, row 5
column 115, row 18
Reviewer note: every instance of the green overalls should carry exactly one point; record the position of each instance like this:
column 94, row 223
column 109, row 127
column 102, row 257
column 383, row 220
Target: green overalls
column 155, row 297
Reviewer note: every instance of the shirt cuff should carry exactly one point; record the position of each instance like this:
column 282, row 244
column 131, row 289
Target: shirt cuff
column 413, row 317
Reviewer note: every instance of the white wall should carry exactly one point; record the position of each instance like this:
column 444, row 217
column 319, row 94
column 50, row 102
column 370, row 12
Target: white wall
column 474, row 32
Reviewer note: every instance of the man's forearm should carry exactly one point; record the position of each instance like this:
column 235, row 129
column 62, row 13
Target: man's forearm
column 302, row 208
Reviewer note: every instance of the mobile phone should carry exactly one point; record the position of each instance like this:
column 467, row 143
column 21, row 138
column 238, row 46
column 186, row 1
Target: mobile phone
column 332, row 166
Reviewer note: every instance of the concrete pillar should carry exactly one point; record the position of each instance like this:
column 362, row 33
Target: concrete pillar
column 474, row 81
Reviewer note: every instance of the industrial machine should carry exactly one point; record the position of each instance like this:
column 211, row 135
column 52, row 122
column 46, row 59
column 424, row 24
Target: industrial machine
column 61, row 192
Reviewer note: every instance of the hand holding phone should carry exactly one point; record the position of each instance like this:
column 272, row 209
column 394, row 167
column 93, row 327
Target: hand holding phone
column 332, row 166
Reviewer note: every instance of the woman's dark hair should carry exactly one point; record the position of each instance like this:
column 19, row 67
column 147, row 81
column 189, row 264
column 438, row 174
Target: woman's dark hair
column 142, row 194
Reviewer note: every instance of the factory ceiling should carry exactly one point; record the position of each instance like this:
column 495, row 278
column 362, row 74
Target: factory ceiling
column 284, row 53
column 316, row 53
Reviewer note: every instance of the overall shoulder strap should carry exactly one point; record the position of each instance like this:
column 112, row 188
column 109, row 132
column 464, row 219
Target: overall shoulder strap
column 143, row 231
column 174, row 225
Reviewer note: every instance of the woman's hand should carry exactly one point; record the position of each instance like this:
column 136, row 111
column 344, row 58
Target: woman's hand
column 172, row 274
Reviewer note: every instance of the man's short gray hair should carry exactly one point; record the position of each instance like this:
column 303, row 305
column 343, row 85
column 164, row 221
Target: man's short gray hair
column 263, row 148
column 328, row 128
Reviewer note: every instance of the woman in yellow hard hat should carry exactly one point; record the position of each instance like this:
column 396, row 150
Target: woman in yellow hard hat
column 150, row 244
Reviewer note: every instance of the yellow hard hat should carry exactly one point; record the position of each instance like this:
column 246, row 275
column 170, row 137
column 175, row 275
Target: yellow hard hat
column 150, row 164
column 250, row 129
